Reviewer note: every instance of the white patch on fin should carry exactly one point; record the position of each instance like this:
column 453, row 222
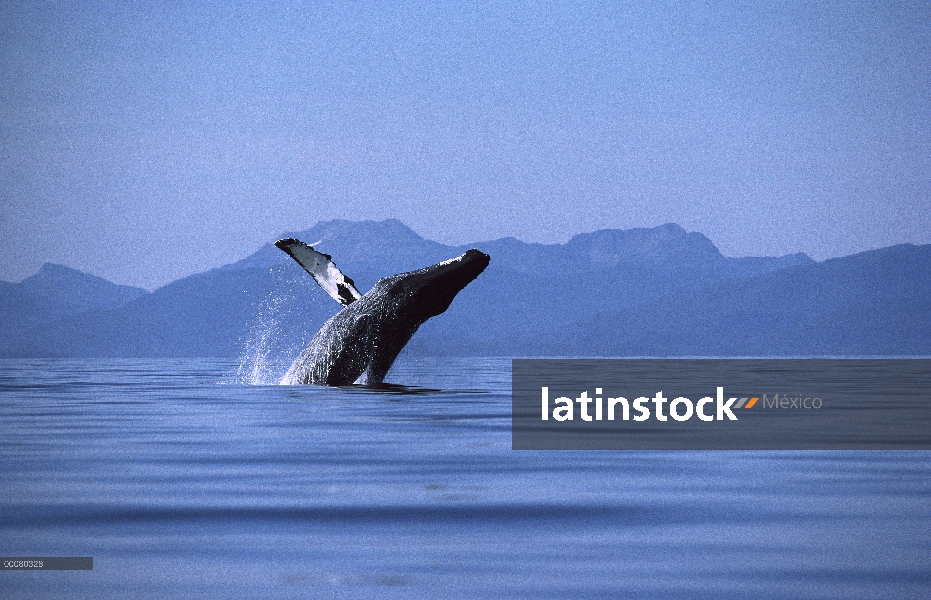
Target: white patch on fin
column 322, row 269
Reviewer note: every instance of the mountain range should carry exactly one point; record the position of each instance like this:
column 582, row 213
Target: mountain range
column 642, row 292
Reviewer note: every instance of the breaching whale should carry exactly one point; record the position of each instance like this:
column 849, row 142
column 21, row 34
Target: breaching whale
column 360, row 343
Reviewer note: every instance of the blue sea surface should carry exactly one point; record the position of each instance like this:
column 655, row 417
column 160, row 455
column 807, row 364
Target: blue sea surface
column 183, row 482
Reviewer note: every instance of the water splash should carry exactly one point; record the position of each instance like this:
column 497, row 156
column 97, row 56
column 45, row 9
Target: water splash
column 271, row 345
column 316, row 360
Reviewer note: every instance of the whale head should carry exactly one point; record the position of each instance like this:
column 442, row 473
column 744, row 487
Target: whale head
column 428, row 292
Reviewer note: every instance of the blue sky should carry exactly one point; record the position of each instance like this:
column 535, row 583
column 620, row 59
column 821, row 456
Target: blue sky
column 147, row 141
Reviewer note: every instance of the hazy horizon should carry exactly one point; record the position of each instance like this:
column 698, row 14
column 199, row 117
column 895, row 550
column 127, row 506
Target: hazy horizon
column 146, row 143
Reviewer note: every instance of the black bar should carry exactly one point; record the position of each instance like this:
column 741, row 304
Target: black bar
column 47, row 563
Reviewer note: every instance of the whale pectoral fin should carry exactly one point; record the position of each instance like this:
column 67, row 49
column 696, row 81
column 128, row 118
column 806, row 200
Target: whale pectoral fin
column 322, row 268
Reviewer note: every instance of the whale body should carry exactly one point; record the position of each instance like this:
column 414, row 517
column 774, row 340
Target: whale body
column 360, row 343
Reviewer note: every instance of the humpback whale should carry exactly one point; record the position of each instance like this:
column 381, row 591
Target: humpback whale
column 360, row 343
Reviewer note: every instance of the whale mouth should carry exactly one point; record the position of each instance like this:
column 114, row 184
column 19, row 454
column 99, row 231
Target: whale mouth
column 469, row 265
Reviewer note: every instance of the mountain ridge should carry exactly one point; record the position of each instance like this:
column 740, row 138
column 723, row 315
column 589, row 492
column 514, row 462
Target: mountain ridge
column 643, row 292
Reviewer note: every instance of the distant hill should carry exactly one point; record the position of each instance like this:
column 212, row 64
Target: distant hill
column 642, row 292
column 51, row 294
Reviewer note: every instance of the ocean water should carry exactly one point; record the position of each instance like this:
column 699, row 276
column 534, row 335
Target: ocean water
column 182, row 481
